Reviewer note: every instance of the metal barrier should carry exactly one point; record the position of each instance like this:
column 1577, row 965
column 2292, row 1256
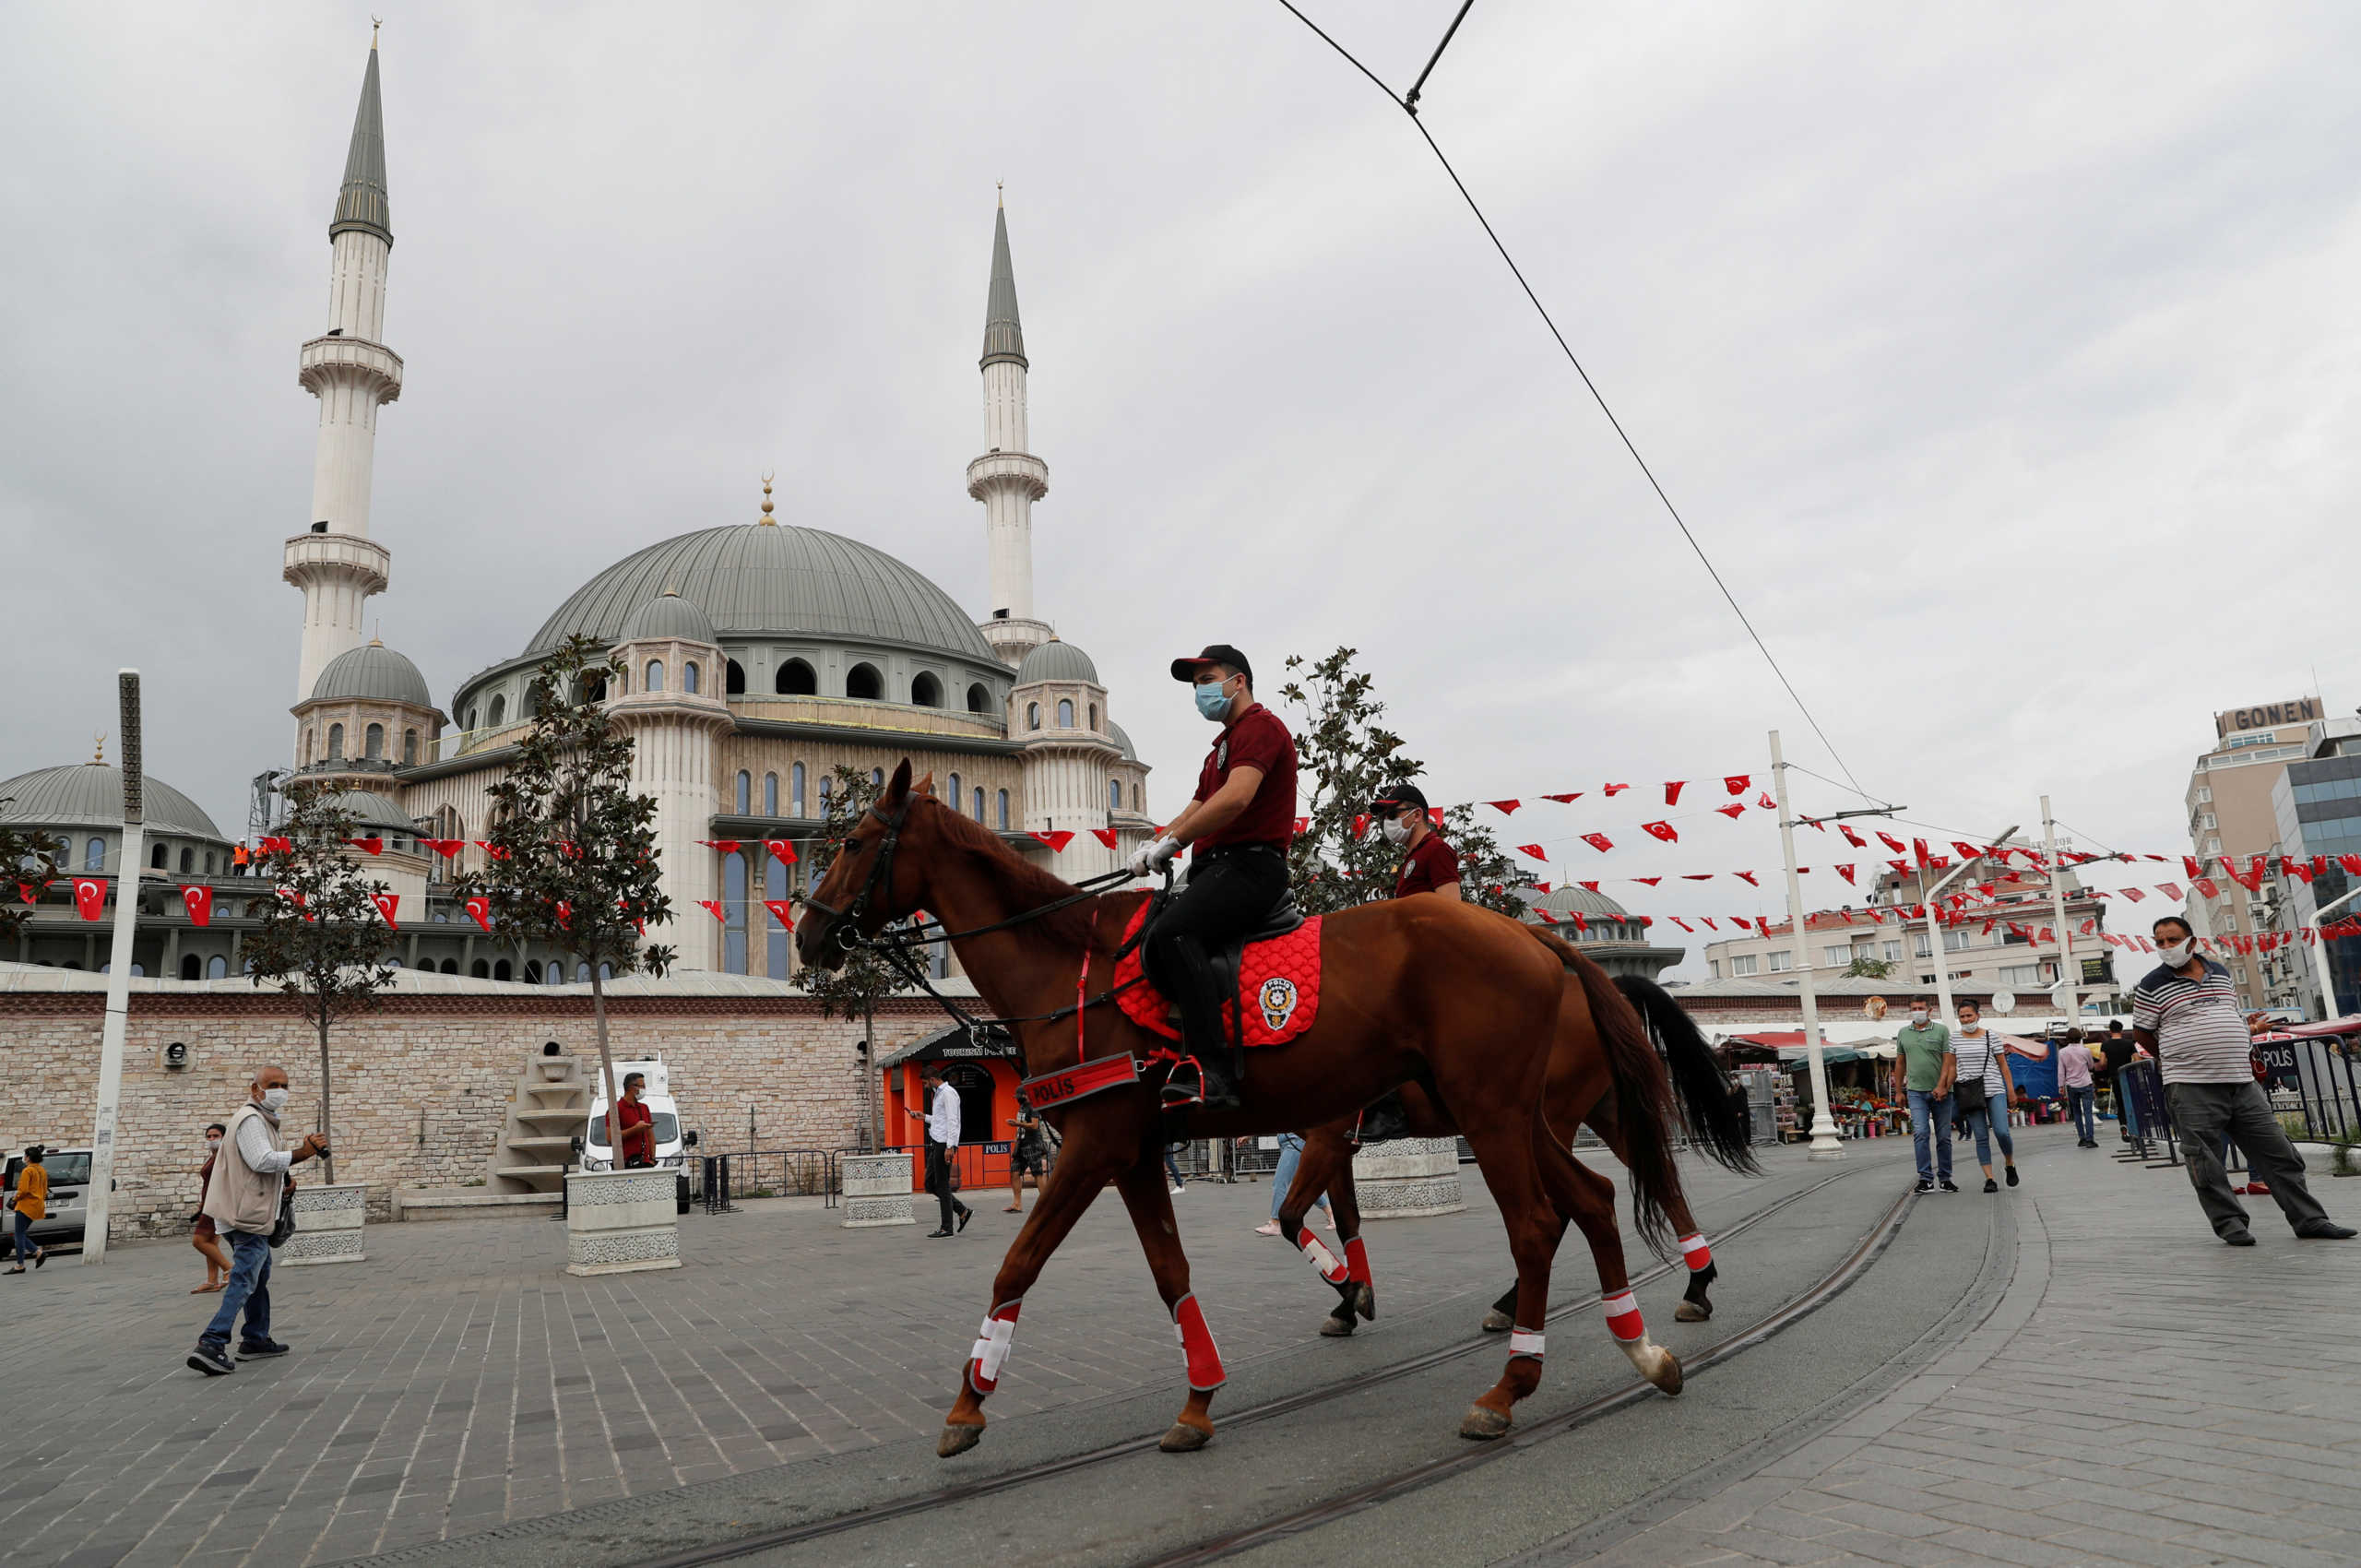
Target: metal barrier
column 720, row 1179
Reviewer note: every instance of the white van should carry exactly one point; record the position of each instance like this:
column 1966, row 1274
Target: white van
column 672, row 1144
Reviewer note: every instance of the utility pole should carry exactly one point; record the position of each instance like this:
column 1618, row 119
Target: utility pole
column 2068, row 979
column 98, row 1198
column 1934, row 937
column 1825, row 1142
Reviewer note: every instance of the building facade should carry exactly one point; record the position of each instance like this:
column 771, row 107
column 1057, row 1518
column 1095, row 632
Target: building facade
column 2230, row 813
column 2317, row 804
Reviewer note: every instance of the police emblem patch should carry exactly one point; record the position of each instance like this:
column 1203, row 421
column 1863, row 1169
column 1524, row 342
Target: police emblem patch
column 1277, row 1000
column 1221, row 753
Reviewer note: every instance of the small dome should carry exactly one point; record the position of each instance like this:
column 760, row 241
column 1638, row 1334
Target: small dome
column 371, row 809
column 1115, row 733
column 1568, row 900
column 667, row 615
column 1054, row 660
column 374, row 673
column 90, row 795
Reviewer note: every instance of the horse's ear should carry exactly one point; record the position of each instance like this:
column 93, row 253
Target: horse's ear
column 924, row 786
column 898, row 787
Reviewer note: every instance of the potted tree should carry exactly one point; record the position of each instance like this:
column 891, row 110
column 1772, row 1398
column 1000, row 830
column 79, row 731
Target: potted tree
column 324, row 944
column 572, row 866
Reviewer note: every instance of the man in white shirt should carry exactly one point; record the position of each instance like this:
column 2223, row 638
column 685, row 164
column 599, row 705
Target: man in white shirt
column 942, row 1123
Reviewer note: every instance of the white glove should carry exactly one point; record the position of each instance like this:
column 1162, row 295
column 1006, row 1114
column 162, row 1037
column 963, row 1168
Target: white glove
column 1150, row 859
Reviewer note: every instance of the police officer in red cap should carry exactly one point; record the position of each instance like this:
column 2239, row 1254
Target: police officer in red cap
column 1239, row 824
column 1429, row 866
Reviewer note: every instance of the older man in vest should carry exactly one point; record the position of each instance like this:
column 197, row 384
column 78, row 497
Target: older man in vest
column 243, row 1202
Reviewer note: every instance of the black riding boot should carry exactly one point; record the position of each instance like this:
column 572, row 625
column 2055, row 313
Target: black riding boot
column 1205, row 1035
column 1384, row 1117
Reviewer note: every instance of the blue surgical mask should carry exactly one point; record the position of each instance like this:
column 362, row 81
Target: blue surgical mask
column 1211, row 700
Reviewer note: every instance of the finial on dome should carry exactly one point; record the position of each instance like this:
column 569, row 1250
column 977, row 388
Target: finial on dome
column 375, row 23
column 98, row 747
column 1000, row 191
column 766, row 519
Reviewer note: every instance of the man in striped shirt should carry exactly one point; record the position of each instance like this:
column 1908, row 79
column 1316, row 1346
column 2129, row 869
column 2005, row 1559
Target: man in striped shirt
column 2187, row 1013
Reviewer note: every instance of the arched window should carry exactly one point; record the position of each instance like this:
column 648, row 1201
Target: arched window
column 450, row 966
column 1136, row 797
column 593, row 687
column 925, row 691
column 1003, row 811
column 307, row 747
column 1094, row 715
column 654, row 676
column 689, row 677
column 952, row 796
column 373, row 742
column 532, row 971
column 499, row 708
column 94, row 855
column 795, row 776
column 1065, row 713
column 775, row 886
column 863, row 681
column 555, row 973
column 480, row 969
column 217, row 967
column 581, row 973
column 336, row 742
column 409, row 748
column 191, row 965
column 745, row 792
column 733, row 905
column 472, row 716
column 1032, row 716
column 978, row 699
column 795, row 679
column 161, row 857
column 979, row 802
column 208, row 862
column 828, row 783
column 501, row 970
column 877, row 776
column 623, row 684
column 770, row 794
column 1114, row 794
column 733, row 679
column 188, row 861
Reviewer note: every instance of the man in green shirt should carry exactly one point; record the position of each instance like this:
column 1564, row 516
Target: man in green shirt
column 1927, row 1068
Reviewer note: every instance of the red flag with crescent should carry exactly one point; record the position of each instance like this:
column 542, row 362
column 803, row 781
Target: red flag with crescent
column 1765, row 803
column 387, row 904
column 1614, row 790
column 1747, row 877
column 1663, row 830
column 1106, row 836
column 1056, row 840
column 1360, row 824
column 564, row 915
column 447, row 848
column 491, row 851
column 1598, row 841
column 712, row 907
column 199, row 900
column 782, row 910
column 297, row 899
column 1564, row 800
column 479, row 911
column 1547, row 917
column 1535, row 850
column 1737, row 783
column 1506, row 808
column 1672, row 787
column 90, row 896
column 370, row 846
column 28, row 893
column 1733, row 810
column 781, row 851
column 1852, row 838
column 278, row 846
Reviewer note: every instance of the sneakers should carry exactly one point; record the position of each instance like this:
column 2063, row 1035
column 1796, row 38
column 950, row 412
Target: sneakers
column 1990, row 1185
column 210, row 1361
column 256, row 1349
column 1268, row 1228
column 1924, row 1185
column 2012, row 1173
column 1178, row 1189
column 1948, row 1185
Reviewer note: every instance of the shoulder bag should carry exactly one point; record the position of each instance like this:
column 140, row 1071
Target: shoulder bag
column 284, row 1229
column 1968, row 1096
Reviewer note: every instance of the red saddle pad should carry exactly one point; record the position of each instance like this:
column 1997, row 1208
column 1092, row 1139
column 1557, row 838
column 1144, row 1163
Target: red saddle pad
column 1279, row 986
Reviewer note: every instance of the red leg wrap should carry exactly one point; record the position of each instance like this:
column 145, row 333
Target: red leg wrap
column 1205, row 1372
column 1357, row 1262
column 1623, row 1319
column 989, row 1352
column 1698, row 1256
column 1331, row 1268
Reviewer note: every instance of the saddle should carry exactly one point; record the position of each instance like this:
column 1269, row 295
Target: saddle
column 1270, row 975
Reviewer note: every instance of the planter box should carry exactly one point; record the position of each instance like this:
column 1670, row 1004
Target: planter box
column 1408, row 1179
column 327, row 1225
column 877, row 1190
column 622, row 1221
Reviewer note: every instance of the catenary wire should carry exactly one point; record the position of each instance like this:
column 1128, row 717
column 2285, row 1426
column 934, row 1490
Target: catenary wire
column 1596, row 396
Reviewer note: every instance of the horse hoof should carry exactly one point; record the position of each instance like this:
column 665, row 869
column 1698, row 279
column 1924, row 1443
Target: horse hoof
column 1483, row 1423
column 1338, row 1327
column 1693, row 1311
column 1365, row 1301
column 957, row 1440
column 1498, row 1322
column 1183, row 1438
column 1668, row 1377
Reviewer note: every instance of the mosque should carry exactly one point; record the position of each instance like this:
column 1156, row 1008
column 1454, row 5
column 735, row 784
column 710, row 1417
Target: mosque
column 759, row 657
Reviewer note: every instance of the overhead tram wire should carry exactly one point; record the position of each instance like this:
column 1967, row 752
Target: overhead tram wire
column 1408, row 105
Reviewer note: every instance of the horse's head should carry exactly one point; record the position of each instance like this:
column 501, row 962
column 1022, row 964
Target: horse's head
column 878, row 876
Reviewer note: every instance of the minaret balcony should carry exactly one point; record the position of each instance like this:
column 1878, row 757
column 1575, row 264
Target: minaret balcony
column 319, row 557
column 992, row 469
column 326, row 360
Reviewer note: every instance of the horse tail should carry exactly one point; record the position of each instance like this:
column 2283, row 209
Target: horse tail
column 1644, row 1106
column 1715, row 1122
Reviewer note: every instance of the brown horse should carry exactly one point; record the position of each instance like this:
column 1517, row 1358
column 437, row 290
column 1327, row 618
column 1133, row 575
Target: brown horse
column 1448, row 993
column 1714, row 1124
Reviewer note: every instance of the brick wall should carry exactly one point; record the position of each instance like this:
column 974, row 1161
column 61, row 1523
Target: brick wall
column 422, row 1082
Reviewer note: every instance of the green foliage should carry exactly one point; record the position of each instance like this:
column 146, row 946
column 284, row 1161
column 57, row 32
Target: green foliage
column 34, row 861
column 1345, row 754
column 1868, row 969
column 853, row 987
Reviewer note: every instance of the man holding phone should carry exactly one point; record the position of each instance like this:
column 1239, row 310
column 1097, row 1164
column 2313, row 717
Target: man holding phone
column 243, row 1202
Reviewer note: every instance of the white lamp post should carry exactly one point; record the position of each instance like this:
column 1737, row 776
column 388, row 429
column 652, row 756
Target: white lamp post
column 1825, row 1142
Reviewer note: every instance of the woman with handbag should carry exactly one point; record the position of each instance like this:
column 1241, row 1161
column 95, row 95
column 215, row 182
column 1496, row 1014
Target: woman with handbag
column 1983, row 1091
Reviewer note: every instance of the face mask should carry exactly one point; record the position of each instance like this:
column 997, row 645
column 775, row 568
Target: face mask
column 2174, row 954
column 1919, row 1014
column 274, row 1100
column 1211, row 700
column 1397, row 830
column 212, row 1142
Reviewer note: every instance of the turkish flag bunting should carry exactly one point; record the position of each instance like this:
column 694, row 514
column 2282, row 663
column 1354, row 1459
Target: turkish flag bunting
column 1902, row 868
column 2169, row 889
column 1546, row 916
column 1765, row 803
column 1506, row 808
column 297, row 899
column 2089, row 926
column 569, row 848
column 2352, row 865
column 1303, row 824
column 1614, row 790
column 1542, row 887
column 1733, row 812
column 278, row 846
column 1663, row 830
column 712, row 907
column 2310, row 936
column 447, row 848
column 1682, row 924
column 2047, row 934
column 1598, row 841
column 1696, row 876
column 2133, row 894
column 1106, row 836
column 493, row 851
column 727, row 846
column 1737, row 783
column 782, row 910
column 2208, row 886
column 1360, row 824
column 564, row 915
column 31, row 895
column 2301, row 871
column 1579, row 924
column 1592, row 885
column 1057, row 841
column 479, row 911
column 1672, row 789
column 199, row 900
column 1647, row 881
column 1564, row 800
column 1535, row 850
column 1709, row 922
column 1889, row 840
column 1919, row 850
column 1852, row 838
column 1844, row 872
column 373, row 846
column 1740, row 921
column 1434, row 815
column 1747, row 877
column 1986, row 930
column 781, row 851
column 1967, row 851
column 387, row 904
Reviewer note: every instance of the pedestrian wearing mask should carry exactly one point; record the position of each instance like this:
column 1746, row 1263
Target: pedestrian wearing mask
column 203, row 1234
column 2075, row 1077
column 249, row 1174
column 1982, row 1090
column 1927, row 1069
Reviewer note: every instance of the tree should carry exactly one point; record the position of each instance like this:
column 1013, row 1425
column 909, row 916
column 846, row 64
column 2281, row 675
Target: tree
column 1863, row 968
column 854, row 986
column 1343, row 756
column 34, row 861
column 571, row 863
column 325, row 940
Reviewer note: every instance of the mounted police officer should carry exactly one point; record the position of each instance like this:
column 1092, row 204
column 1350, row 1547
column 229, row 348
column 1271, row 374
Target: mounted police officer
column 1240, row 822
column 1429, row 866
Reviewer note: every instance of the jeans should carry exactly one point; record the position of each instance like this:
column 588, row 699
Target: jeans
column 938, row 1182
column 1926, row 1106
column 1990, row 1122
column 249, row 1287
column 2079, row 1103
column 1172, row 1169
column 1290, row 1155
column 24, row 1237
column 2202, row 1115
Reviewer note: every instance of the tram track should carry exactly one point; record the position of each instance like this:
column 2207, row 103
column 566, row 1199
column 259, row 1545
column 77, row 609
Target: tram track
column 1368, row 1495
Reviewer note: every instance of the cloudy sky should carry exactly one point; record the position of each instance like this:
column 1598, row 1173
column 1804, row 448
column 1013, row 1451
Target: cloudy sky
column 2005, row 361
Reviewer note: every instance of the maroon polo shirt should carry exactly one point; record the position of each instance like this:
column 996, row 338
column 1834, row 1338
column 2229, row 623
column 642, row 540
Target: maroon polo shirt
column 1254, row 739
column 1431, row 865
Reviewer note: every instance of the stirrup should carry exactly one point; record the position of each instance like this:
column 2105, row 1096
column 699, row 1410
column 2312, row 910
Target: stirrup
column 1184, row 1085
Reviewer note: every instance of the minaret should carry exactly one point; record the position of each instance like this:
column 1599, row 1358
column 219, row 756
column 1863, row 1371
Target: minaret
column 335, row 561
column 1007, row 479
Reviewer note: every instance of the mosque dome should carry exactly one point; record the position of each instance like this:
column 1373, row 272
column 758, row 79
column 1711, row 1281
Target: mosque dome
column 371, row 809
column 374, row 673
column 89, row 795
column 765, row 580
column 1054, row 660
column 1608, row 919
column 668, row 615
column 1115, row 733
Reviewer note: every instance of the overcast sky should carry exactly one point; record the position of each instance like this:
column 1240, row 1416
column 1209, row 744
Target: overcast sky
column 2003, row 358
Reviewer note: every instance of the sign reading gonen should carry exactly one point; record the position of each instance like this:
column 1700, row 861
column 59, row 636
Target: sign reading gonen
column 2301, row 710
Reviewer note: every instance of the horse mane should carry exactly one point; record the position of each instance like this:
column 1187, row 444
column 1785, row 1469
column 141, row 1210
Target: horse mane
column 1030, row 887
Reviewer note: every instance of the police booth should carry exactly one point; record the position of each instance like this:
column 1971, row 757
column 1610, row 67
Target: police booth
column 985, row 1068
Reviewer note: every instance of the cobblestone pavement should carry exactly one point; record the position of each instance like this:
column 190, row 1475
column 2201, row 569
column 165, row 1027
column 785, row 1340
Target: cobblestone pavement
column 458, row 1379
column 2142, row 1394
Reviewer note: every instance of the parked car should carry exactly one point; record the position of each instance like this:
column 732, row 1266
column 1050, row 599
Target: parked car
column 671, row 1145
column 69, row 1180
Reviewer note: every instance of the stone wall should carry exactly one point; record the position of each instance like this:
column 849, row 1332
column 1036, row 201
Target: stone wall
column 422, row 1082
